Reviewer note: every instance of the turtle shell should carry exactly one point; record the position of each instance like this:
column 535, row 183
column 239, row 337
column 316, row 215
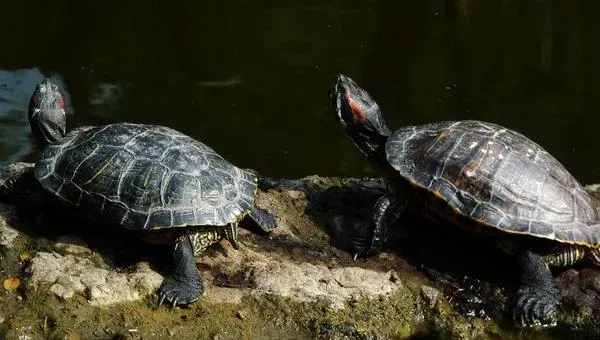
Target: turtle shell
column 497, row 177
column 145, row 177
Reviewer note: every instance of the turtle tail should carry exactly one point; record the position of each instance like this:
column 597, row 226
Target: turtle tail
column 264, row 219
column 594, row 256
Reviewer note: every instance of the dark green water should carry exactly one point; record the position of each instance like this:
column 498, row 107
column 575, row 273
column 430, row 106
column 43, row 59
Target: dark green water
column 250, row 78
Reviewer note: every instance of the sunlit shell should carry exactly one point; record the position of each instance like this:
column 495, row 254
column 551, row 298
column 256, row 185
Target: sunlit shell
column 11, row 283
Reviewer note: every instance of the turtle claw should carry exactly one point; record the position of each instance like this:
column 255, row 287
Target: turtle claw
column 360, row 240
column 184, row 285
column 537, row 295
column 161, row 299
column 175, row 292
column 535, row 309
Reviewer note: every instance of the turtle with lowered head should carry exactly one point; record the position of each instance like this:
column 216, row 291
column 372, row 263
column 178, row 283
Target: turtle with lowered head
column 481, row 177
column 163, row 185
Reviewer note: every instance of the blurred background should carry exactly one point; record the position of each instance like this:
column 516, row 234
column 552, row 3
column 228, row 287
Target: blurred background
column 251, row 78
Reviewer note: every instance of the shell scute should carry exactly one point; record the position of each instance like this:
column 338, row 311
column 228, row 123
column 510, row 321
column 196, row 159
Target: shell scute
column 145, row 177
column 498, row 176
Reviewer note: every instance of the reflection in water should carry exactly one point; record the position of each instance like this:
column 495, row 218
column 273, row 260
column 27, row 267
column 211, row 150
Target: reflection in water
column 15, row 90
column 251, row 78
column 104, row 100
column 231, row 81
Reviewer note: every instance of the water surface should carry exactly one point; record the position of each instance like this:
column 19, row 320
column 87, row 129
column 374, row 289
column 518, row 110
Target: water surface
column 250, row 78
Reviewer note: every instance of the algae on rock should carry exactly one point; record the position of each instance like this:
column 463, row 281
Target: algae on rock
column 298, row 283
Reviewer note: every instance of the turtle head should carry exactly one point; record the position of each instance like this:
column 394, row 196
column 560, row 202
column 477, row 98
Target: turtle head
column 47, row 113
column 360, row 116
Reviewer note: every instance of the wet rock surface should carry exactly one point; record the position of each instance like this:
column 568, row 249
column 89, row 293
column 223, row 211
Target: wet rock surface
column 84, row 281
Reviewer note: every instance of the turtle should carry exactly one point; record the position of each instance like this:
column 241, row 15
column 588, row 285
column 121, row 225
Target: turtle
column 159, row 183
column 485, row 178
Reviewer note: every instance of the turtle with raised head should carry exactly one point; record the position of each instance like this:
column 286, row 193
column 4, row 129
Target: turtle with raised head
column 484, row 178
column 152, row 179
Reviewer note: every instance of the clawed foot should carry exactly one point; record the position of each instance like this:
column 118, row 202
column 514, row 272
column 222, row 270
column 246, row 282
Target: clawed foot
column 360, row 242
column 537, row 296
column 174, row 291
column 535, row 308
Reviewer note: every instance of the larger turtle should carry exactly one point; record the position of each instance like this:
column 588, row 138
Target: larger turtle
column 147, row 178
column 485, row 178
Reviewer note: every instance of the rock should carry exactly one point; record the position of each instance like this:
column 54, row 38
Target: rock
column 430, row 295
column 308, row 282
column 7, row 234
column 295, row 194
column 302, row 279
column 343, row 331
column 66, row 334
column 70, row 275
column 22, row 333
column 71, row 244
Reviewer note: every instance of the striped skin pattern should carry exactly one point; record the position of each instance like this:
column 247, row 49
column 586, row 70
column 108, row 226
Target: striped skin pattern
column 497, row 177
column 145, row 177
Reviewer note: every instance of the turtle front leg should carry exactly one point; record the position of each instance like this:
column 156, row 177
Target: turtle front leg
column 184, row 284
column 386, row 211
column 537, row 294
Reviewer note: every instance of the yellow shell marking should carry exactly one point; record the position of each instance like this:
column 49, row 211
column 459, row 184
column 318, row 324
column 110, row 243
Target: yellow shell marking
column 437, row 139
column 148, row 177
column 439, row 195
column 458, row 211
column 416, row 184
column 102, row 169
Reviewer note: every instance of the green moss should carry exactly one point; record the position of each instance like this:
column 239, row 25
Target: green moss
column 410, row 312
column 268, row 316
column 406, row 313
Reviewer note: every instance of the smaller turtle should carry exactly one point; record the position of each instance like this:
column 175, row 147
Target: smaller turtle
column 484, row 178
column 162, row 185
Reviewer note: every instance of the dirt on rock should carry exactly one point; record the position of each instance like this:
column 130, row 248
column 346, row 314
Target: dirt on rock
column 300, row 282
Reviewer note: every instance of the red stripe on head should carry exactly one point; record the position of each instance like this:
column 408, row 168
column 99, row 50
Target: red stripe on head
column 357, row 110
column 61, row 102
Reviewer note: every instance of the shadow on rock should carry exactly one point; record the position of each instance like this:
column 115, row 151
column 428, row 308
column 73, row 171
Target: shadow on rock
column 72, row 254
column 471, row 271
column 429, row 282
column 53, row 227
column 341, row 207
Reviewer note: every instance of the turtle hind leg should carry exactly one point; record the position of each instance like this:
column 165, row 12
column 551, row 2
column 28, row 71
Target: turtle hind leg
column 184, row 284
column 565, row 255
column 536, row 299
column 265, row 221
